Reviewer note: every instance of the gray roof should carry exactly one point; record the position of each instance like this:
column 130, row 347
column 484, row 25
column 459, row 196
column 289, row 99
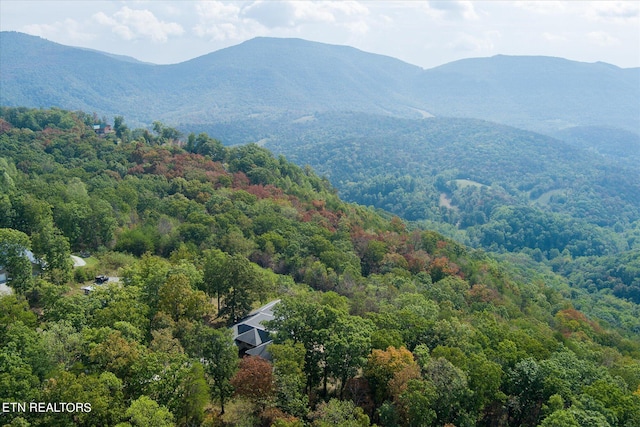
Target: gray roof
column 251, row 331
column 253, row 337
column 267, row 309
column 255, row 319
column 260, row 351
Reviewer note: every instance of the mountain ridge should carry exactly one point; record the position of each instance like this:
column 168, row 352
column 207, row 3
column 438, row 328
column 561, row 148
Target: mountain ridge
column 270, row 77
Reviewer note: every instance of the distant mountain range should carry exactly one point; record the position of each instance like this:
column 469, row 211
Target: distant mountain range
column 268, row 78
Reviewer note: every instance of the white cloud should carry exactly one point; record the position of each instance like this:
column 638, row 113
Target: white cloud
column 614, row 11
column 357, row 27
column 482, row 44
column 119, row 29
column 275, row 14
column 304, row 12
column 173, row 10
column 228, row 21
column 222, row 21
column 542, row 7
column 132, row 24
column 552, row 37
column 68, row 30
column 350, row 8
column 217, row 10
column 602, row 38
column 223, row 31
column 453, row 10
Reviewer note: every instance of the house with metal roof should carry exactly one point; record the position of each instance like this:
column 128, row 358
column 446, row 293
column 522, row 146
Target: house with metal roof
column 250, row 334
column 4, row 274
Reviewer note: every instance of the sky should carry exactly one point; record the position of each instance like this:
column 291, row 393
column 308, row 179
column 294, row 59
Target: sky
column 423, row 33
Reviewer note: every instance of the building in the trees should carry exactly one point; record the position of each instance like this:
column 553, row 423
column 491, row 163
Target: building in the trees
column 250, row 334
column 102, row 129
column 4, row 275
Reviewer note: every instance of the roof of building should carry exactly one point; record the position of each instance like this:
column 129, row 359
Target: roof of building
column 260, row 351
column 251, row 332
column 30, row 256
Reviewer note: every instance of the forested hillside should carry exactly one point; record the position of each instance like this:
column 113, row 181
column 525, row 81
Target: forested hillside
column 533, row 92
column 489, row 186
column 507, row 189
column 378, row 322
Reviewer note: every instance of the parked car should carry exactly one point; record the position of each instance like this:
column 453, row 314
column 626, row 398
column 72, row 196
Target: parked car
column 102, row 279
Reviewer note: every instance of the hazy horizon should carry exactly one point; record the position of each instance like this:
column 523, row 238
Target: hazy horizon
column 426, row 34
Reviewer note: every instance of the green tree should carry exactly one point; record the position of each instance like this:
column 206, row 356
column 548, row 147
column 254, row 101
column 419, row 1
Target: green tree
column 525, row 382
column 288, row 366
column 203, row 144
column 13, row 257
column 417, row 404
column 30, row 213
column 118, row 303
column 166, row 133
column 450, row 384
column 117, row 354
column 103, row 391
column 561, row 418
column 242, row 284
column 30, row 347
column 121, row 129
column 65, row 346
column 305, row 321
column 136, row 241
column 347, row 347
column 54, row 250
column 145, row 412
column 194, row 396
column 219, row 357
column 339, row 413
column 149, row 274
column 179, row 300
column 18, row 383
column 13, row 309
column 214, row 282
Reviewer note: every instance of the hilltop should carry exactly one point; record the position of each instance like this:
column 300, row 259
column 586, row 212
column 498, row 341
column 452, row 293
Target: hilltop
column 267, row 77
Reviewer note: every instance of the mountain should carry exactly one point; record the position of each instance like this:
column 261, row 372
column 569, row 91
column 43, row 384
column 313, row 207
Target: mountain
column 261, row 76
column 35, row 72
column 615, row 143
column 373, row 319
column 267, row 77
column 534, row 92
column 482, row 178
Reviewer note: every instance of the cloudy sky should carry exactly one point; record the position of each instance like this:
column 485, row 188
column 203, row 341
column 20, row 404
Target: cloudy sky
column 426, row 33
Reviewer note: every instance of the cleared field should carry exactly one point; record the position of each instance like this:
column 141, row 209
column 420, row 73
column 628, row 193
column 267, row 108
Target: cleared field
column 546, row 197
column 462, row 183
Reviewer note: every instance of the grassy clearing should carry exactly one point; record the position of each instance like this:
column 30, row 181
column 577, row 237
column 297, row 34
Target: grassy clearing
column 545, row 198
column 462, row 183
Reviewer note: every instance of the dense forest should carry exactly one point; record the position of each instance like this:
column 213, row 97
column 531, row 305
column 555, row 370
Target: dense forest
column 380, row 321
column 488, row 186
